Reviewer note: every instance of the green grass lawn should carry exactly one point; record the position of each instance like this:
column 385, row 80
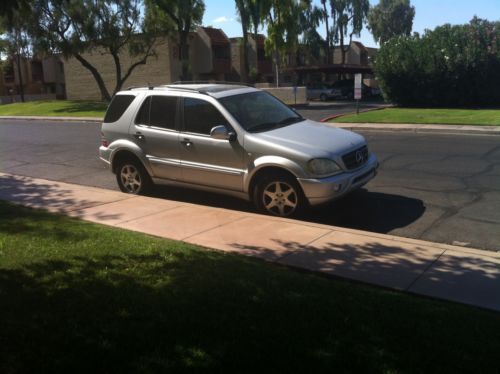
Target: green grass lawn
column 432, row 116
column 79, row 297
column 67, row 108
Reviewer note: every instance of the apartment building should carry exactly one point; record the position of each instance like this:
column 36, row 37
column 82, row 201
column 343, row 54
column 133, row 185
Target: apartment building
column 42, row 77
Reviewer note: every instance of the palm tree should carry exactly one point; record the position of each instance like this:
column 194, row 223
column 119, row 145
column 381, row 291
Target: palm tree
column 244, row 13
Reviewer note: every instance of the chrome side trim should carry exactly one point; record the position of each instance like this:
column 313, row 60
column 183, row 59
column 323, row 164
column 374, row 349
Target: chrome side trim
column 165, row 161
column 214, row 168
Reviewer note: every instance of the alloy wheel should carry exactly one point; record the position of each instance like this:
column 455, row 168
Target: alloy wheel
column 280, row 198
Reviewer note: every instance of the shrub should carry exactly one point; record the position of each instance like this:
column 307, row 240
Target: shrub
column 450, row 66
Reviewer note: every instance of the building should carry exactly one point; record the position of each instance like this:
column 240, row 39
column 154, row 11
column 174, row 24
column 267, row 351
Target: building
column 260, row 66
column 214, row 57
column 42, row 78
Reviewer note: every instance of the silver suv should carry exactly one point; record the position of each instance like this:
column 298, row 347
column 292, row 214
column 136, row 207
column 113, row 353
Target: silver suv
column 232, row 139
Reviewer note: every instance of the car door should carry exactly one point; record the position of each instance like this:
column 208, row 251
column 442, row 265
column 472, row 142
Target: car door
column 205, row 160
column 155, row 131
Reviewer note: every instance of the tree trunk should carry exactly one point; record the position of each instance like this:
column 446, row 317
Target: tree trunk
column 246, row 64
column 100, row 82
column 21, row 88
column 184, row 54
column 328, row 56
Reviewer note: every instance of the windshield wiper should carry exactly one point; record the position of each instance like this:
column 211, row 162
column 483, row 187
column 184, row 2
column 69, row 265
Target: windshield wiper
column 272, row 125
column 290, row 120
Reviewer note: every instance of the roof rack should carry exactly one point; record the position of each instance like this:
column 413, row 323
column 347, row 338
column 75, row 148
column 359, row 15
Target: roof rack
column 213, row 82
column 148, row 86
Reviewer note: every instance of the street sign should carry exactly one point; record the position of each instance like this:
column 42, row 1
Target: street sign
column 357, row 86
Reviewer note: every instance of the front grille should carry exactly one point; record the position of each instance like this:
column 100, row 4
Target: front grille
column 356, row 158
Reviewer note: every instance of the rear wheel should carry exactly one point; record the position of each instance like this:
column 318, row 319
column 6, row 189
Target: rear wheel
column 322, row 97
column 132, row 177
column 279, row 196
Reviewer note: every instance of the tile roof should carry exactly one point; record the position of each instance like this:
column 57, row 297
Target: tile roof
column 217, row 36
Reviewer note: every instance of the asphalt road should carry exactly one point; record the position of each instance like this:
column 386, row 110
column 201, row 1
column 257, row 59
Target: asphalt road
column 443, row 188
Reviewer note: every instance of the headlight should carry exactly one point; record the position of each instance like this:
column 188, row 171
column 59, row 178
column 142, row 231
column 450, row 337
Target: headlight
column 323, row 167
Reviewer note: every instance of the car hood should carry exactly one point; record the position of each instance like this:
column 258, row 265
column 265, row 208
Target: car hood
column 311, row 139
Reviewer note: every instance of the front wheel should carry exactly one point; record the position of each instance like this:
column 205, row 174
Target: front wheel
column 279, row 196
column 132, row 177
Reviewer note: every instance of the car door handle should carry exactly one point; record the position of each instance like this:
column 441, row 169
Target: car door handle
column 186, row 142
column 139, row 136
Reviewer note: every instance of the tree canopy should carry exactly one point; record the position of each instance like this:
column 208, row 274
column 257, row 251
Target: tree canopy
column 390, row 18
column 73, row 27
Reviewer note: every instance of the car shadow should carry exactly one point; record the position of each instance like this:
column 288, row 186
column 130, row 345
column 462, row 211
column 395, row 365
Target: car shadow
column 370, row 211
column 362, row 209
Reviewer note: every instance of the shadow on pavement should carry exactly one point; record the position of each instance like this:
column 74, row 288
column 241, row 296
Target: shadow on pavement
column 370, row 211
column 362, row 210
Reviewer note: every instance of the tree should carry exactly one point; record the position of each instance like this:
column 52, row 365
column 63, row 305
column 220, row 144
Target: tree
column 242, row 7
column 328, row 42
column 348, row 19
column 390, row 18
column 186, row 15
column 16, row 42
column 282, row 18
column 310, row 17
column 73, row 27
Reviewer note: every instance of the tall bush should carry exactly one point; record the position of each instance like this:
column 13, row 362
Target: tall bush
column 450, row 66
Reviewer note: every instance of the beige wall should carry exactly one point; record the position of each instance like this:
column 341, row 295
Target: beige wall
column 201, row 54
column 287, row 95
column 81, row 85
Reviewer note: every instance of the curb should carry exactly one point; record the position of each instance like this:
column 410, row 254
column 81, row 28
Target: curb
column 350, row 113
column 420, row 128
column 53, row 118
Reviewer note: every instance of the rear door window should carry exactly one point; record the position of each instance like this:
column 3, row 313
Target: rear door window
column 117, row 107
column 158, row 111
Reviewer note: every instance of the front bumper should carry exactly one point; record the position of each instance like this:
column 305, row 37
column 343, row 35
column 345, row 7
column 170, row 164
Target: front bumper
column 320, row 191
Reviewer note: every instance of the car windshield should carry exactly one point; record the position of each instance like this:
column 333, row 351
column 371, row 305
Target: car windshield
column 259, row 111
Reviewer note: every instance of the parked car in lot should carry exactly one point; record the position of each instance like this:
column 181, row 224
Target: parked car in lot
column 232, row 139
column 346, row 88
column 322, row 92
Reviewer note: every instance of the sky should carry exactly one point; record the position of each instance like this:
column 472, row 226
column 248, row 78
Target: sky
column 429, row 14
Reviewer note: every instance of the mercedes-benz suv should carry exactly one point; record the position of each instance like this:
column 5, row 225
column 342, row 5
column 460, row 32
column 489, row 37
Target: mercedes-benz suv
column 233, row 139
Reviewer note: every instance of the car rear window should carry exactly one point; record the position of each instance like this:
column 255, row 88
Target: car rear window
column 117, row 107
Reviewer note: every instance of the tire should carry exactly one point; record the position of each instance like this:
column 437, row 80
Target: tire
column 322, row 97
column 279, row 195
column 132, row 177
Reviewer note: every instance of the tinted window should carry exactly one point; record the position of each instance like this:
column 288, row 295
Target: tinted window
column 163, row 111
column 201, row 116
column 158, row 111
column 117, row 107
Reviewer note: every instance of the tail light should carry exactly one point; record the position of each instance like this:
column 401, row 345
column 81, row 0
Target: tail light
column 104, row 141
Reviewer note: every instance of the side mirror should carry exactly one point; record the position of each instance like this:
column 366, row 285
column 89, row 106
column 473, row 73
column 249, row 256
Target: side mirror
column 221, row 132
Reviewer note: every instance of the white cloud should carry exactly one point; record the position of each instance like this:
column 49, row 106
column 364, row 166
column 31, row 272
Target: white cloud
column 222, row 19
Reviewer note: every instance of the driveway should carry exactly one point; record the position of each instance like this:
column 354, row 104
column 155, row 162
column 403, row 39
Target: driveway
column 443, row 188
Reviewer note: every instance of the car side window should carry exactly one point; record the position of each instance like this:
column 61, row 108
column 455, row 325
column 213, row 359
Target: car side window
column 158, row 111
column 200, row 116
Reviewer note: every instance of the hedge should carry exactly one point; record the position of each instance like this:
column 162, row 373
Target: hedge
column 451, row 66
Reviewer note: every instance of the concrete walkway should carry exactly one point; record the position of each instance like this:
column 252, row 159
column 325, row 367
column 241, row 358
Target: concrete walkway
column 453, row 273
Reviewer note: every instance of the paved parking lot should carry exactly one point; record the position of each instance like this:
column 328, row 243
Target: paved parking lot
column 443, row 188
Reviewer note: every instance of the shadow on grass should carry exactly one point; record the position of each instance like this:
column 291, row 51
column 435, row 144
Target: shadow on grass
column 188, row 311
column 83, row 106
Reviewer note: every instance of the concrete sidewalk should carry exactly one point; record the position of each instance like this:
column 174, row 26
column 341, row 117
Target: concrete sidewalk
column 458, row 274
